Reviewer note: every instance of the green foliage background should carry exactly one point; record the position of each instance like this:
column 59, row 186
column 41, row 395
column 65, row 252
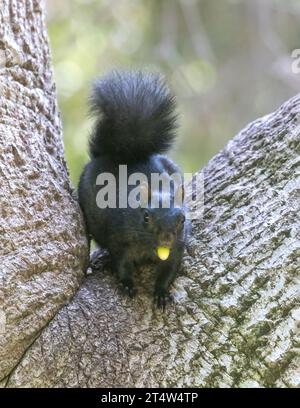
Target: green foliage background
column 227, row 61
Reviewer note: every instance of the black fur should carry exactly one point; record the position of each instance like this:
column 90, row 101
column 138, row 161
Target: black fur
column 135, row 116
column 136, row 123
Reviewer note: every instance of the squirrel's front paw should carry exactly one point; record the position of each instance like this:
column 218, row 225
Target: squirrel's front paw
column 128, row 288
column 161, row 298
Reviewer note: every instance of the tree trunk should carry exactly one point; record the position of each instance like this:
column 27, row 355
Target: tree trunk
column 235, row 321
column 43, row 247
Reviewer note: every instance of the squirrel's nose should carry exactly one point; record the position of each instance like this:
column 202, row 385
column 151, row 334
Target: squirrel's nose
column 166, row 240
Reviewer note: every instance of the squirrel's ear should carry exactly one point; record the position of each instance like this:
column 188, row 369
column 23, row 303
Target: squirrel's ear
column 179, row 196
column 144, row 194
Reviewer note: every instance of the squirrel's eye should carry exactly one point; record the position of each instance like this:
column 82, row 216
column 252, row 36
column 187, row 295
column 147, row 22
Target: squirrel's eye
column 146, row 217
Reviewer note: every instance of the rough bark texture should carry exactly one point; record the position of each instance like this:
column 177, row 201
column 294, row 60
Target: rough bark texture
column 43, row 247
column 236, row 316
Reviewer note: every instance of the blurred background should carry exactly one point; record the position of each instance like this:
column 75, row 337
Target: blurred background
column 228, row 62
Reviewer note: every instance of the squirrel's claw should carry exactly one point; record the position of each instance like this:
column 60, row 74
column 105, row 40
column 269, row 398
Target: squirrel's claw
column 129, row 289
column 162, row 299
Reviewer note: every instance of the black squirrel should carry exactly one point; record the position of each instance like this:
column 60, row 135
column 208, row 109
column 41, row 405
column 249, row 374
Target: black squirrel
column 135, row 124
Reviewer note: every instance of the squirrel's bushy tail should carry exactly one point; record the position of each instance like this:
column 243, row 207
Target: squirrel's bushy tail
column 135, row 116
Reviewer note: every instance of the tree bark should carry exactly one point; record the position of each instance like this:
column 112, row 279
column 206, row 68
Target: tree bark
column 43, row 246
column 235, row 321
